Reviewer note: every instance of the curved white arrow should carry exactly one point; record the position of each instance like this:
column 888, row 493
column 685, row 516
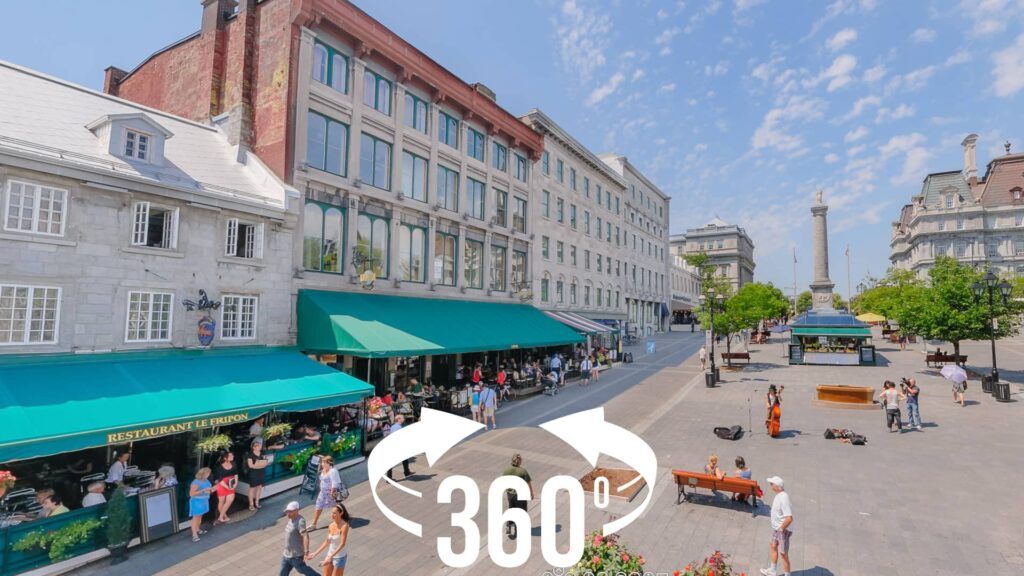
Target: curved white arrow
column 434, row 434
column 591, row 435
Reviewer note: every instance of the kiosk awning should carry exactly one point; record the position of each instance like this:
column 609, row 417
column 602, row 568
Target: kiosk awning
column 61, row 403
column 827, row 331
column 381, row 326
column 579, row 323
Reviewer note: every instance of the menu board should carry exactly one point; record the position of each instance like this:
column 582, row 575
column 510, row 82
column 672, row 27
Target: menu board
column 158, row 513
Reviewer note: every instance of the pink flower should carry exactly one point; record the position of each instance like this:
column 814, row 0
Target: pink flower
column 597, row 539
column 625, row 557
column 640, row 559
column 596, row 560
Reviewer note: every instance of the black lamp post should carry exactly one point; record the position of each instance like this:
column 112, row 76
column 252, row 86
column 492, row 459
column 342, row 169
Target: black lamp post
column 712, row 301
column 991, row 284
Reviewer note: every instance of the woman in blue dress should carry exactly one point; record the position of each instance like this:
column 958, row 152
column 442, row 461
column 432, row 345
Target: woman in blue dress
column 199, row 501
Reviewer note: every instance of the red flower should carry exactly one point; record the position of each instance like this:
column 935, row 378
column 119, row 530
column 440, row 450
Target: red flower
column 625, row 557
column 597, row 539
column 640, row 559
column 596, row 560
column 676, row 573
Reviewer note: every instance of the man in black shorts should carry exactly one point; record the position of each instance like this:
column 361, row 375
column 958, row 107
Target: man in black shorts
column 516, row 469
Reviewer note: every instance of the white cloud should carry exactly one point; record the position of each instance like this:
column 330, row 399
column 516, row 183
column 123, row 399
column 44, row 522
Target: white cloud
column 915, row 156
column 991, row 26
column 958, row 57
column 860, row 105
column 666, row 88
column 773, row 132
column 898, row 113
column 854, row 150
column 923, row 35
column 841, row 39
column 665, row 40
column 913, row 80
column 692, row 101
column 605, row 90
column 831, row 158
column 719, row 69
column 1009, row 69
column 662, row 14
column 583, row 38
column 838, row 74
column 855, row 134
column 638, row 74
column 874, row 74
column 700, row 147
column 838, row 8
column 742, row 5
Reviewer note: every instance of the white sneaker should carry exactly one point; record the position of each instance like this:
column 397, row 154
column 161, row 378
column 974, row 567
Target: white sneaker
column 767, row 572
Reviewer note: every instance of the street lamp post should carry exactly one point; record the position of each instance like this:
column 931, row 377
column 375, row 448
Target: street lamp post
column 991, row 284
column 712, row 301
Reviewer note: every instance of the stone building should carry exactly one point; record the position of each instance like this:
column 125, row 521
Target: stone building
column 406, row 171
column 686, row 289
column 117, row 219
column 645, row 215
column 728, row 246
column 956, row 214
column 580, row 256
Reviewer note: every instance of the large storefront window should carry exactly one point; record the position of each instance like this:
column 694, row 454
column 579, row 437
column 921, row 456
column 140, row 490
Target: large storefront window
column 445, row 246
column 412, row 251
column 372, row 245
column 474, row 263
column 323, row 234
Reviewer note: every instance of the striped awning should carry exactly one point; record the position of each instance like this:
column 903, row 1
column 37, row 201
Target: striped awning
column 579, row 323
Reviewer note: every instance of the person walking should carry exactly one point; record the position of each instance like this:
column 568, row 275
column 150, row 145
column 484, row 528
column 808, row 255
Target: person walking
column 703, row 355
column 336, row 543
column 782, row 519
column 891, row 401
column 913, row 395
column 296, row 543
column 332, row 489
column 516, row 469
column 585, row 366
column 199, row 501
column 488, row 405
column 226, row 477
column 959, row 392
column 399, row 423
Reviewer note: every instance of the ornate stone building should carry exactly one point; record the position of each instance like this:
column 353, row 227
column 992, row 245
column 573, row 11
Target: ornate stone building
column 728, row 246
column 978, row 221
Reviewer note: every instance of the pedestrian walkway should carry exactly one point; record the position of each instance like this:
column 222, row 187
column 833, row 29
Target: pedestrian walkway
column 919, row 503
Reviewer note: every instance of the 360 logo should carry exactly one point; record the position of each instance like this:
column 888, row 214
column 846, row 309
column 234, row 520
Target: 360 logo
column 586, row 431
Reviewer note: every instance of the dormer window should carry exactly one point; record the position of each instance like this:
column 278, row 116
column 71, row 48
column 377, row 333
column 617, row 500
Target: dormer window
column 1016, row 193
column 949, row 200
column 136, row 144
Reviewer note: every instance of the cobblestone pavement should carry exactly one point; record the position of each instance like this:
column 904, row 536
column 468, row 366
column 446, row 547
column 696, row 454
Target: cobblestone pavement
column 934, row 502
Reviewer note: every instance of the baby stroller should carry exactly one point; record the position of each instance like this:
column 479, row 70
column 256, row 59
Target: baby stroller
column 550, row 382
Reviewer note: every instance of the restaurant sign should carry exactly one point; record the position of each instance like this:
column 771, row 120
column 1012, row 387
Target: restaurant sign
column 176, row 428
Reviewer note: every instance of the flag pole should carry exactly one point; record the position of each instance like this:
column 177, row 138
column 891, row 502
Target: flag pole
column 849, row 290
column 795, row 311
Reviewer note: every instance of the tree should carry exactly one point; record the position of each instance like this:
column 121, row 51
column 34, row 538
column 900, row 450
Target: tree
column 746, row 309
column 804, row 302
column 946, row 310
column 887, row 295
column 837, row 301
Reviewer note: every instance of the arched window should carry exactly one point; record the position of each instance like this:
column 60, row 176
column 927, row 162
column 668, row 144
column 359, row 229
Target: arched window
column 323, row 238
column 372, row 245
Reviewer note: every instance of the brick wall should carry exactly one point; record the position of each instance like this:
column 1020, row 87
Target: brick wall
column 178, row 80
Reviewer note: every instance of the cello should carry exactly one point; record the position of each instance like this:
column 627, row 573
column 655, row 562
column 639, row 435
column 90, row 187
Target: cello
column 773, row 422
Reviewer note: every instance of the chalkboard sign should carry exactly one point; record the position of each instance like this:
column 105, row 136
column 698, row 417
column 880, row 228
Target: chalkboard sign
column 158, row 513
column 311, row 477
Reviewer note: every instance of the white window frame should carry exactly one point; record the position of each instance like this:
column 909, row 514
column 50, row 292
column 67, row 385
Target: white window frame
column 147, row 156
column 140, row 225
column 255, row 316
column 149, row 328
column 28, row 316
column 254, row 245
column 37, row 199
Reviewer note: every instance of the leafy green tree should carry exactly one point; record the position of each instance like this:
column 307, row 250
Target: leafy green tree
column 803, row 302
column 837, row 301
column 887, row 295
column 946, row 310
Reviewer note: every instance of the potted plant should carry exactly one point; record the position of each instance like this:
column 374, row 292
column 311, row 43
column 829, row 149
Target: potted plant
column 275, row 431
column 213, row 444
column 119, row 529
column 299, row 460
column 715, row 565
column 60, row 542
column 605, row 555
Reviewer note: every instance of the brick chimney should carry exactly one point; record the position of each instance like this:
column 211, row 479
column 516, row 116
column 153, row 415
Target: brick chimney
column 970, row 171
column 112, row 76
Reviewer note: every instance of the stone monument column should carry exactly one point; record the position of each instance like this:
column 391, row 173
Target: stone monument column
column 821, row 287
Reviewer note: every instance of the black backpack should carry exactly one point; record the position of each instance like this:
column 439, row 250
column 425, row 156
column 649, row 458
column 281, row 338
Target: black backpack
column 731, row 433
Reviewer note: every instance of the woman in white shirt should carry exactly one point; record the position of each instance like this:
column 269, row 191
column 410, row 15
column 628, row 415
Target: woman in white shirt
column 115, row 475
column 94, row 496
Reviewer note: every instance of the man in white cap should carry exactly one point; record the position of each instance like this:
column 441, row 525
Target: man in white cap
column 296, row 543
column 782, row 517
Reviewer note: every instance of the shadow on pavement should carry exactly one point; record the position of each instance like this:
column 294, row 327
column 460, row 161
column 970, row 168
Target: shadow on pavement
column 816, row 571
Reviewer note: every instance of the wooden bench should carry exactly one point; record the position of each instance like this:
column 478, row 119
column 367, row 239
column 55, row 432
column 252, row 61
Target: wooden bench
column 731, row 484
column 943, row 359
column 736, row 356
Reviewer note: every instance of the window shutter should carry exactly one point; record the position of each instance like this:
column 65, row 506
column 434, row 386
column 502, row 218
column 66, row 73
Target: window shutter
column 140, row 225
column 171, row 229
column 231, row 237
column 258, row 242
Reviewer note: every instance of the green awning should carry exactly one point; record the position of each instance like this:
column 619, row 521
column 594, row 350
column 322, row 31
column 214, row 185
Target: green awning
column 61, row 403
column 380, row 326
column 856, row 332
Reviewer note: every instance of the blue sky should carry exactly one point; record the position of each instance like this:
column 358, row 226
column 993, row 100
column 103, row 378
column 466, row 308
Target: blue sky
column 737, row 108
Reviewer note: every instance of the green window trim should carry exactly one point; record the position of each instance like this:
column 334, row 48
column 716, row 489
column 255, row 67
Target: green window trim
column 499, row 157
column 476, row 198
column 380, row 100
column 317, row 150
column 560, row 210
column 499, row 255
column 474, row 275
column 447, row 192
column 545, row 162
column 545, row 204
column 517, row 271
column 330, row 66
column 444, row 240
column 378, row 159
column 560, row 171
column 572, row 178
column 416, row 113
column 501, row 207
column 321, row 256
column 544, row 289
column 519, row 214
column 522, row 168
column 475, row 144
column 448, row 130
column 410, row 172
column 406, row 253
column 366, row 248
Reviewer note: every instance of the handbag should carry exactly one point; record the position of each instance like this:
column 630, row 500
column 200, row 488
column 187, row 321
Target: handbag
column 340, row 493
